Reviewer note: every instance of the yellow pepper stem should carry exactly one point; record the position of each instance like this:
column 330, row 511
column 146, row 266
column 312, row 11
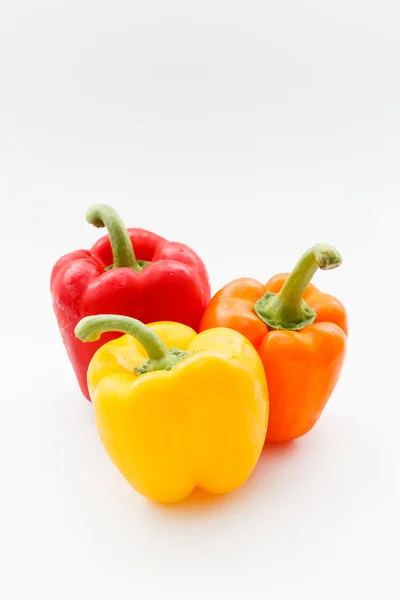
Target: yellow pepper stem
column 89, row 329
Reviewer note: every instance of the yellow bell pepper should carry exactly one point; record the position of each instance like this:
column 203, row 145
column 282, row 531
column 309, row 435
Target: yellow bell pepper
column 172, row 420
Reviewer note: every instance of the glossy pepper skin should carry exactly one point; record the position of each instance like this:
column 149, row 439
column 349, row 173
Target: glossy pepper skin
column 172, row 420
column 299, row 332
column 167, row 282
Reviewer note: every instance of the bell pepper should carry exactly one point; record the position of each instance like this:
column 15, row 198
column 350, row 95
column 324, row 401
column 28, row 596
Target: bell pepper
column 169, row 282
column 299, row 332
column 176, row 410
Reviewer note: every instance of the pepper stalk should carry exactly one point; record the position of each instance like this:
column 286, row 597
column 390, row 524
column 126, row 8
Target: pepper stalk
column 89, row 329
column 287, row 309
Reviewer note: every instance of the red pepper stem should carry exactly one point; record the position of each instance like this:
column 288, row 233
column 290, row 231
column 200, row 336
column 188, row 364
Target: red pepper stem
column 287, row 309
column 89, row 329
column 102, row 215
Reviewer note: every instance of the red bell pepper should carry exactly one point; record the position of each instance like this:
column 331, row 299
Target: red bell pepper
column 168, row 283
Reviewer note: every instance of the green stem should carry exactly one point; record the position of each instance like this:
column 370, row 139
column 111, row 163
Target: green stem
column 287, row 309
column 102, row 215
column 89, row 329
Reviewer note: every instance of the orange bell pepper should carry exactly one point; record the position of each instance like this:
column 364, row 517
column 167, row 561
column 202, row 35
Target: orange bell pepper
column 299, row 332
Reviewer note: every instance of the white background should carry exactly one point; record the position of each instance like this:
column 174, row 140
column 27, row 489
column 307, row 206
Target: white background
column 249, row 130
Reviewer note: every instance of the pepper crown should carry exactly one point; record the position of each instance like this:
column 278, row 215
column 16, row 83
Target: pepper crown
column 287, row 309
column 102, row 215
column 89, row 329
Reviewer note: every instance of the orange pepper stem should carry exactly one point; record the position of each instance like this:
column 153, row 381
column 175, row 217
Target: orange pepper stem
column 102, row 215
column 287, row 309
column 89, row 329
